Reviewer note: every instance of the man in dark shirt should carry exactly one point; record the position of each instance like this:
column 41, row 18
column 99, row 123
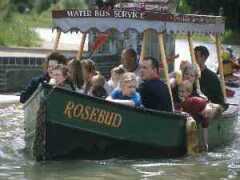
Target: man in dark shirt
column 52, row 60
column 153, row 91
column 209, row 82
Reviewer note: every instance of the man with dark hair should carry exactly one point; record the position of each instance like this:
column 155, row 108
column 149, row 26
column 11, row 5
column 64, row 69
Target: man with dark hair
column 153, row 91
column 130, row 62
column 61, row 59
column 209, row 82
column 129, row 59
column 51, row 61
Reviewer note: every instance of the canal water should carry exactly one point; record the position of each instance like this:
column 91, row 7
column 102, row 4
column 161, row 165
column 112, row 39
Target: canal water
column 223, row 163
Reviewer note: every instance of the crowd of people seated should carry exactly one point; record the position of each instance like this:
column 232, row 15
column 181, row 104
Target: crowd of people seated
column 138, row 84
column 131, row 83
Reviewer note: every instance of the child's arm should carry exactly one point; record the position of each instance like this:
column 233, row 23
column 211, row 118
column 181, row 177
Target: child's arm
column 121, row 101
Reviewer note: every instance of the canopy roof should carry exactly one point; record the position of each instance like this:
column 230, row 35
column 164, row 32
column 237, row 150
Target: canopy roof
column 125, row 19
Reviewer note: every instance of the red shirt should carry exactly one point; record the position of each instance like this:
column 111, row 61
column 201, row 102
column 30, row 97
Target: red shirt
column 194, row 105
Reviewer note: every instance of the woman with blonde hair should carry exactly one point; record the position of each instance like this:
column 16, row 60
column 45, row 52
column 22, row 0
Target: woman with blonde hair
column 189, row 72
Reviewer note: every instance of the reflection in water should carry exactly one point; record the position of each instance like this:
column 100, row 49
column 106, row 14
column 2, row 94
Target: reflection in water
column 223, row 163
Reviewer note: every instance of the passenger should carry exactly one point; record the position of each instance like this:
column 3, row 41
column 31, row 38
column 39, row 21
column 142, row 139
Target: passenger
column 88, row 70
column 116, row 74
column 198, row 108
column 188, row 72
column 126, row 93
column 209, row 82
column 154, row 92
column 51, row 61
column 75, row 73
column 97, row 86
column 60, row 77
column 130, row 62
column 230, row 61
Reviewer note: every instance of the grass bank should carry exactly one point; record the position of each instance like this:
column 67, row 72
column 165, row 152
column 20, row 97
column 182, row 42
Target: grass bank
column 17, row 33
column 17, row 30
column 229, row 37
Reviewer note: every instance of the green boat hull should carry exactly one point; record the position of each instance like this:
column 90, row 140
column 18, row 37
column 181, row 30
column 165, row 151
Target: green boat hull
column 69, row 125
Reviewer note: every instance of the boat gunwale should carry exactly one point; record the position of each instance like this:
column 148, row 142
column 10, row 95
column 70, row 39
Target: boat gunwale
column 225, row 114
column 181, row 115
column 36, row 92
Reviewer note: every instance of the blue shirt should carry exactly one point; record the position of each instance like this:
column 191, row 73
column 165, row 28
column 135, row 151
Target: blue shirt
column 135, row 97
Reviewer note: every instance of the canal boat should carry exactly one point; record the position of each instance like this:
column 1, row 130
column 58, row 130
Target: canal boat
column 60, row 123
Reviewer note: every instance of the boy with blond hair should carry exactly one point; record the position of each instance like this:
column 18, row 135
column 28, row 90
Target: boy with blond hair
column 126, row 93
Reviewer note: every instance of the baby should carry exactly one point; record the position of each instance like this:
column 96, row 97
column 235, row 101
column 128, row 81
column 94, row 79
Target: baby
column 126, row 93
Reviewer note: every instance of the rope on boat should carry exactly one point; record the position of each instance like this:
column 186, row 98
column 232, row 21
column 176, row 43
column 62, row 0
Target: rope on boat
column 192, row 136
column 39, row 144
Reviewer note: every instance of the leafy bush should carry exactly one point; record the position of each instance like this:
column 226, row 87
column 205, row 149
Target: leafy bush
column 183, row 7
column 68, row 4
column 17, row 33
column 231, row 37
column 42, row 5
column 4, row 9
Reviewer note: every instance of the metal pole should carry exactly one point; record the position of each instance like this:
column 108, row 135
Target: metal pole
column 143, row 46
column 82, row 42
column 56, row 42
column 220, row 65
column 165, row 66
column 193, row 57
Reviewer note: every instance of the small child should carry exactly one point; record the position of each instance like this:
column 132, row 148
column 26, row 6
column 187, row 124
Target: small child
column 126, row 93
column 97, row 86
column 60, row 77
column 197, row 107
column 188, row 72
column 116, row 74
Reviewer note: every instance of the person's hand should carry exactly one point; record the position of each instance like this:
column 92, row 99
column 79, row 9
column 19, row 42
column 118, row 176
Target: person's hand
column 52, row 82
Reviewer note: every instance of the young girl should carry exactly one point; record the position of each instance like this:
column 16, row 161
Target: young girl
column 126, row 93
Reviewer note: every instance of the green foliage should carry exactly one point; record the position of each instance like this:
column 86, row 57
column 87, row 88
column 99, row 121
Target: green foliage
column 195, row 37
column 68, row 4
column 183, row 7
column 4, row 9
column 41, row 5
column 33, row 19
column 17, row 33
column 231, row 37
